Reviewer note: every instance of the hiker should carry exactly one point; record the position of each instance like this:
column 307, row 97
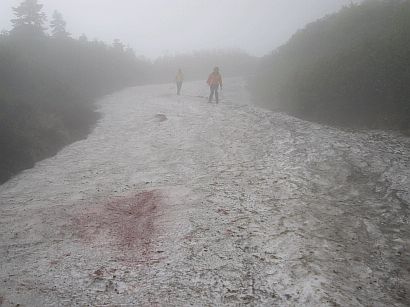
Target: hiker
column 179, row 79
column 214, row 82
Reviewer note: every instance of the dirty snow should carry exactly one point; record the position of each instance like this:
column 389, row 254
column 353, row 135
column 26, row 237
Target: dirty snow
column 172, row 201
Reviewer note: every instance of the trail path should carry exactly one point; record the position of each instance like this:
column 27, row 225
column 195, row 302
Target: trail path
column 172, row 201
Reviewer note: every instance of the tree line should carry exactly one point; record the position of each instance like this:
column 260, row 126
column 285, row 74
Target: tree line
column 349, row 69
column 197, row 65
column 48, row 83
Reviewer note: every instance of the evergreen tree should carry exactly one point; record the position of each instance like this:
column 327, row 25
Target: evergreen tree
column 29, row 18
column 58, row 26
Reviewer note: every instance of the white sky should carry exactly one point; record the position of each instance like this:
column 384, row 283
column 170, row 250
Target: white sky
column 158, row 27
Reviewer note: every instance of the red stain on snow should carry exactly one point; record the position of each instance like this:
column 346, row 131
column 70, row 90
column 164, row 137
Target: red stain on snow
column 127, row 223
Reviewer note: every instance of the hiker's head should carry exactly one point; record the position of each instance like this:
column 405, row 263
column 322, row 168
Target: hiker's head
column 179, row 70
column 216, row 69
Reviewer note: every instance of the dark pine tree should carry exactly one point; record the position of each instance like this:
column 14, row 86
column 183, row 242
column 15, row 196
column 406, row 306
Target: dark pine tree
column 58, row 26
column 29, row 18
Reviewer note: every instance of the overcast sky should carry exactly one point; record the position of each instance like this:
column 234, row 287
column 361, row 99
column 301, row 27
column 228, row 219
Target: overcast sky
column 158, row 27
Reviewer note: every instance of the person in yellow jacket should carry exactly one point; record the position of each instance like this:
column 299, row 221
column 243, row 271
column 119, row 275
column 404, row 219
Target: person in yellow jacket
column 214, row 82
column 179, row 79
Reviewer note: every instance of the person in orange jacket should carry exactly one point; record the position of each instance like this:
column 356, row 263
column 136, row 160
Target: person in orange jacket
column 214, row 82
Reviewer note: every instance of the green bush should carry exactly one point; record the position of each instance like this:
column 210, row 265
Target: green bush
column 47, row 89
column 351, row 68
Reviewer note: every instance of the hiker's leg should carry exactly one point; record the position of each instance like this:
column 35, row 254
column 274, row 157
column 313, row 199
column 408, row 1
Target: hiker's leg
column 216, row 94
column 211, row 95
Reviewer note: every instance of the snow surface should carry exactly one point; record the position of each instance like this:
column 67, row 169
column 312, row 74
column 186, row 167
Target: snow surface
column 172, row 201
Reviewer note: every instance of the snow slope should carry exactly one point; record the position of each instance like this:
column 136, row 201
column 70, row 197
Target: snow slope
column 172, row 201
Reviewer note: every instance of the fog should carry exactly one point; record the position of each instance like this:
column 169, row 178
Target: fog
column 163, row 27
column 204, row 152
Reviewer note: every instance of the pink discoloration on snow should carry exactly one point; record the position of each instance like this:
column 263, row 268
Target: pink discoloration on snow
column 128, row 222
